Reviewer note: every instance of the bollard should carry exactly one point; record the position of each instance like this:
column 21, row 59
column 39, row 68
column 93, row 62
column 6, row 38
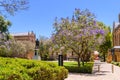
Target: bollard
column 112, row 68
column 98, row 68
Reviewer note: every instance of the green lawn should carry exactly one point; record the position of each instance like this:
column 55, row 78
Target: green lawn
column 73, row 67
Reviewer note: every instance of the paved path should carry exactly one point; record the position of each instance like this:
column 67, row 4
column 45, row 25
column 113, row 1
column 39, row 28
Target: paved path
column 105, row 73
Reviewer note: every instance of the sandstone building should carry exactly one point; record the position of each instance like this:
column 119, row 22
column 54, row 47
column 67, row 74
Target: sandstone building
column 28, row 36
column 116, row 33
column 116, row 42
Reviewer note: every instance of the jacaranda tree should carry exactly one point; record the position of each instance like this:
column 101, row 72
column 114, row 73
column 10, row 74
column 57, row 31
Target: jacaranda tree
column 79, row 33
column 12, row 6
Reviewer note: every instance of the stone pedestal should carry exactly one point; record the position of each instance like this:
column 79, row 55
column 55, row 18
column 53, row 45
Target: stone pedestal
column 36, row 55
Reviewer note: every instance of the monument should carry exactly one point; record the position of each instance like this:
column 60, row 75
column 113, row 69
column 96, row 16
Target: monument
column 36, row 55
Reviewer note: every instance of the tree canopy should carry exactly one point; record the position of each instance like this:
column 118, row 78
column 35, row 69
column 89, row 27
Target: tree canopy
column 81, row 33
column 4, row 24
column 106, row 44
column 12, row 6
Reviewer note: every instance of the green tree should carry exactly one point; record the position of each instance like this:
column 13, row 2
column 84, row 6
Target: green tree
column 44, row 45
column 4, row 25
column 4, row 51
column 80, row 34
column 106, row 44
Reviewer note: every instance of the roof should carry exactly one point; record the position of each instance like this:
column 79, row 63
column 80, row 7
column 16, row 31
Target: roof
column 20, row 34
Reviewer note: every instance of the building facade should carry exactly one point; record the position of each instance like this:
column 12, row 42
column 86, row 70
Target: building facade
column 28, row 36
column 116, row 42
column 116, row 32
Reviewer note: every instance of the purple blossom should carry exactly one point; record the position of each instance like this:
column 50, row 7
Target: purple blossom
column 92, row 32
column 97, row 31
column 80, row 35
column 101, row 32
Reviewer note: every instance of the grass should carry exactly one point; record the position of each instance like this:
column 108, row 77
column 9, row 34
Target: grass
column 73, row 67
column 70, row 64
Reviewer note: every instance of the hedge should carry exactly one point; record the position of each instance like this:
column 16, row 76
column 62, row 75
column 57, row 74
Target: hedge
column 73, row 67
column 23, row 69
column 116, row 63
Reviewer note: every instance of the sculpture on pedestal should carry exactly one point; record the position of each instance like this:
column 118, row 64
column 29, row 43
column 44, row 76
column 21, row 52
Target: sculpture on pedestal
column 36, row 55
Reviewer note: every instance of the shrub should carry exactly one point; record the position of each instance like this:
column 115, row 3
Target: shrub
column 116, row 63
column 22, row 69
column 72, row 67
column 3, row 51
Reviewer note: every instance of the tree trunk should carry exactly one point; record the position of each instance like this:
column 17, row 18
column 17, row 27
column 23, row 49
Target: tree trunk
column 82, row 59
column 83, row 62
column 78, row 61
column 104, row 57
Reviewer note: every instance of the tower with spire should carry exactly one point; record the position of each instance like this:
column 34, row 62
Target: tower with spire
column 116, row 32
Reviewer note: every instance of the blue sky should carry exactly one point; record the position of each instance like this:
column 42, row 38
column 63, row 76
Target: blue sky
column 40, row 16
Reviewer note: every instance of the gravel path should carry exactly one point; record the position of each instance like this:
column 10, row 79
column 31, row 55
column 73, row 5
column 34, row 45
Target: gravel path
column 104, row 73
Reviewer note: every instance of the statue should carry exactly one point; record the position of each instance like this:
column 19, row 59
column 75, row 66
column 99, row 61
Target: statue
column 37, row 44
column 36, row 55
